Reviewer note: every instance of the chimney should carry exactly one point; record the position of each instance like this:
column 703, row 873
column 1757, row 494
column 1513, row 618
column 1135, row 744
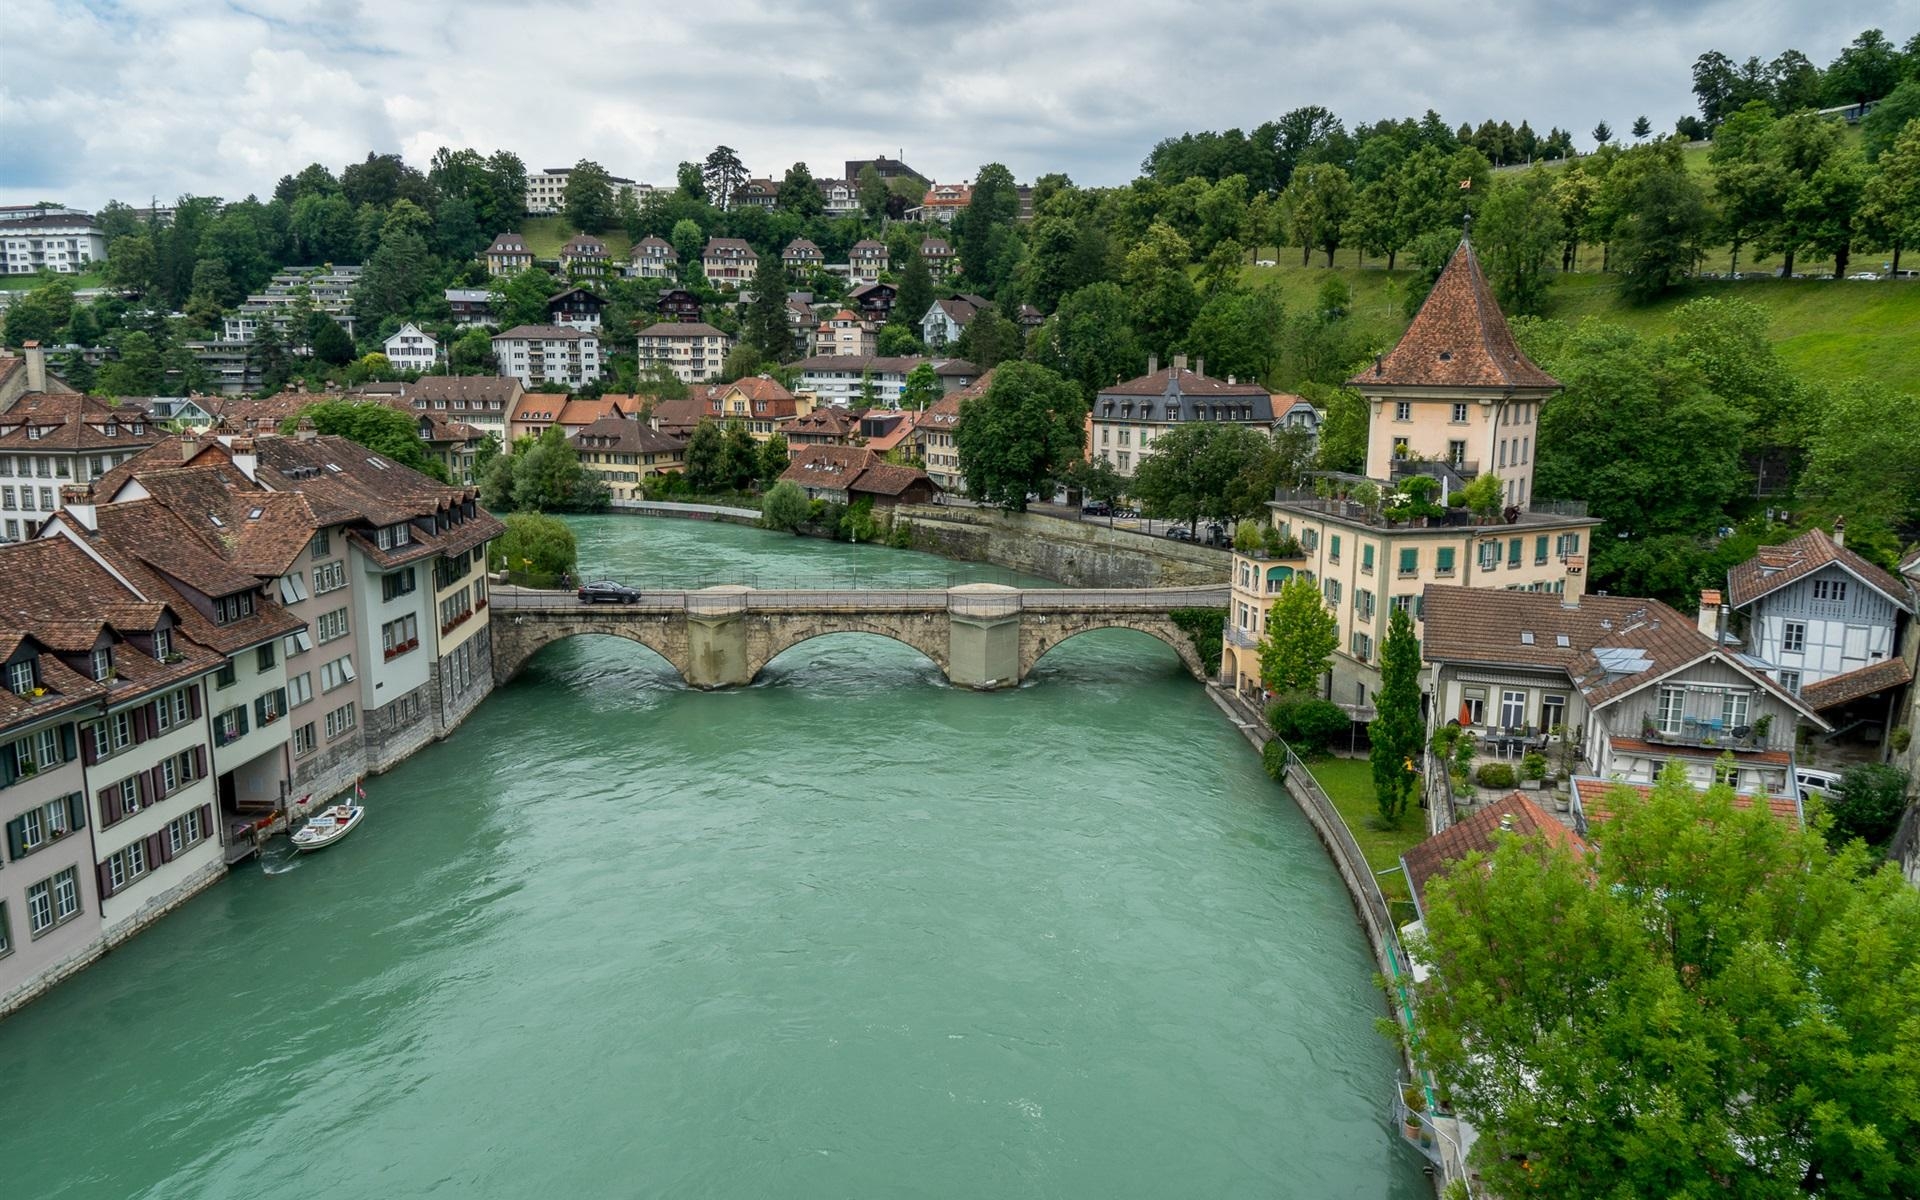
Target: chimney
column 305, row 431
column 1230, row 379
column 189, row 446
column 1708, row 619
column 77, row 500
column 1179, row 362
column 246, row 459
column 36, row 366
column 1153, row 363
column 1506, row 822
column 1200, row 366
column 1839, row 522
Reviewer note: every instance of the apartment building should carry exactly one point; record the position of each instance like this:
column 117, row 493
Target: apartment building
column 470, row 306
column 948, row 318
column 624, row 453
column 802, row 258
column 1127, row 417
column 328, row 289
column 48, row 439
column 409, row 349
column 508, row 255
column 1454, row 395
column 694, row 351
column 846, row 334
column 547, row 190
column 866, row 261
column 105, row 759
column 729, row 261
column 654, row 258
column 484, row 401
column 585, row 257
column 758, row 402
column 941, row 261
column 64, row 242
column 537, row 354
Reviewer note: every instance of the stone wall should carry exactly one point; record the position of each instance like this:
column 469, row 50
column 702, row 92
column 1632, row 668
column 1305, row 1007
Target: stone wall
column 1075, row 553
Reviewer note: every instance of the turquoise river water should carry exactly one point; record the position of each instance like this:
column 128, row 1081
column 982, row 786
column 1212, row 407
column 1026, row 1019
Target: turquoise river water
column 847, row 932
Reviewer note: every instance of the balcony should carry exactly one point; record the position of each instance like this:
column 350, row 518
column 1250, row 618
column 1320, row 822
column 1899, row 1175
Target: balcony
column 1706, row 733
column 1236, row 636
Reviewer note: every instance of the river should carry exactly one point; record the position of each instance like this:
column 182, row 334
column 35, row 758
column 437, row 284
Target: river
column 847, row 932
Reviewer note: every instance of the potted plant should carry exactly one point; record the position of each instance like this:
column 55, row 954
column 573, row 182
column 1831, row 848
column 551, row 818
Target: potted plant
column 1762, row 726
column 1533, row 767
column 1416, row 1103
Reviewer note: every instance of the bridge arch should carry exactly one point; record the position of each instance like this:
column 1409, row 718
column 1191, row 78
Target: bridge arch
column 517, row 637
column 1037, row 639
column 925, row 632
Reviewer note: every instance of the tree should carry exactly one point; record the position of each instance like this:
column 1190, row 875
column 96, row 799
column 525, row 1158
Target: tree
column 916, row 291
column 379, row 428
column 1020, row 437
column 898, row 341
column 1321, row 198
column 922, row 388
column 1602, row 134
column 739, row 457
column 1660, row 239
column 135, row 369
column 1711, row 1004
column 1866, row 70
column 534, row 544
column 587, row 202
column 521, row 298
column 687, row 242
column 723, row 176
column 1301, row 636
column 130, row 263
column 1881, row 127
column 1161, row 293
column 766, row 328
column 989, row 339
column 800, row 194
column 691, row 182
column 329, row 341
column 1641, row 128
column 40, row 314
column 1238, row 332
column 1890, row 206
column 706, row 458
column 785, row 506
column 544, row 474
column 1090, row 340
column 1868, row 805
column 1517, row 234
column 1096, row 480
column 873, row 193
column 1396, row 732
column 1863, row 461
column 773, row 459
column 396, row 279
column 1219, row 471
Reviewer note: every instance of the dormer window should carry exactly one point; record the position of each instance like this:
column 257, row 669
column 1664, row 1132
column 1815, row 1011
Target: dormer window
column 20, row 677
column 162, row 643
column 228, row 609
column 102, row 663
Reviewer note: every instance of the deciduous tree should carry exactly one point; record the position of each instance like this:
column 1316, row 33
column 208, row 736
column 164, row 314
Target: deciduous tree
column 1020, row 437
column 1301, row 636
column 1396, row 732
column 785, row 506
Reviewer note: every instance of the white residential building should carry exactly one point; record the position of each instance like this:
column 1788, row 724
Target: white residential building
column 411, row 350
column 694, row 351
column 537, row 354
column 61, row 241
column 547, row 190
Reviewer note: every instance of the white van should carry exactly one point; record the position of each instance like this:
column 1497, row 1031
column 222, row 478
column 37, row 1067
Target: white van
column 1811, row 780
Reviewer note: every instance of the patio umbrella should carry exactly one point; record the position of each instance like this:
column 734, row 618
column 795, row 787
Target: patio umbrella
column 1466, row 714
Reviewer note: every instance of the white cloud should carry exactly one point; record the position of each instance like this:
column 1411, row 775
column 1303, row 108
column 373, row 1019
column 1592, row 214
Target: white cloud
column 136, row 98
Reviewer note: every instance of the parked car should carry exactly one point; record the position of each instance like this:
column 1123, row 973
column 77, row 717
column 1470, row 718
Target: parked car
column 1265, row 262
column 1096, row 508
column 1811, row 780
column 1864, row 275
column 1180, row 533
column 606, row 591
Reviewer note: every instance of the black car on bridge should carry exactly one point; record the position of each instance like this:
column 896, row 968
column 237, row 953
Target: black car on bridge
column 606, row 591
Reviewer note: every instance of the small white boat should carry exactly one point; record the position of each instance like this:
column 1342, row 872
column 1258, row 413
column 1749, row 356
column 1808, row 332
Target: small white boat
column 328, row 826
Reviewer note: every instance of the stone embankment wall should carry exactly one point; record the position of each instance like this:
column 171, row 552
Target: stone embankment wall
column 1075, row 553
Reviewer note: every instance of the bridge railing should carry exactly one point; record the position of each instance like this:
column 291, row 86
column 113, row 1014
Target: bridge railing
column 983, row 603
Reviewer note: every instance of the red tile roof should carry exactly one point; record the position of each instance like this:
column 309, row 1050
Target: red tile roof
column 851, row 469
column 69, row 421
column 1590, row 795
column 1188, row 383
column 1774, row 567
column 1874, row 677
column 1516, row 815
column 1459, row 339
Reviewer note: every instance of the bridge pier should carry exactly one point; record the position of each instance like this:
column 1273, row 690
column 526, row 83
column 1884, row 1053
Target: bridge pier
column 717, row 638
column 983, row 647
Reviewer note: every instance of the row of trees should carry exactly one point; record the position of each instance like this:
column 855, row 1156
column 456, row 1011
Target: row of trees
column 1868, row 69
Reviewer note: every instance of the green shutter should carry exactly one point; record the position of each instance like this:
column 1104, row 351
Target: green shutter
column 16, row 838
column 1540, row 548
column 68, row 738
column 1444, row 559
column 1366, row 556
column 1410, row 560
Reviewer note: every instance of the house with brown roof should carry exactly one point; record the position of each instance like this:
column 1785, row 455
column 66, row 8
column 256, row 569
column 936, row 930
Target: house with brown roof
column 538, row 410
column 1826, row 624
column 624, row 453
column 846, row 334
column 948, row 318
column 729, row 261
column 823, row 426
column 1126, row 417
column 801, row 258
column 584, row 257
column 654, row 258
column 107, row 794
column 483, row 401
column 941, row 261
column 48, row 439
column 678, row 304
column 1593, row 802
column 874, row 300
column 508, row 255
column 866, row 261
column 1631, row 683
column 576, row 308
column 1455, row 398
column 759, row 402
column 933, row 436
column 1471, row 842
column 849, row 474
column 679, row 418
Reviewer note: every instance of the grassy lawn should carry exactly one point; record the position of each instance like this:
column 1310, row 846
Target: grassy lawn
column 26, row 283
column 545, row 236
column 1348, row 782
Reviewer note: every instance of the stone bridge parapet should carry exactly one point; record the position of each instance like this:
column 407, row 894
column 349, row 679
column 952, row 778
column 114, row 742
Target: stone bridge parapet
column 980, row 635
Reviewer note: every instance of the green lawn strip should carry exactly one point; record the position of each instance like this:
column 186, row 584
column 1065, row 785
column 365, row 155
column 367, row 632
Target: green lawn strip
column 545, row 236
column 1348, row 782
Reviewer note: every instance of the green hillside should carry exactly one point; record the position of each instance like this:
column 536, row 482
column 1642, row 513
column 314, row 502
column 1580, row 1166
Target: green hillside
column 545, row 236
column 1825, row 329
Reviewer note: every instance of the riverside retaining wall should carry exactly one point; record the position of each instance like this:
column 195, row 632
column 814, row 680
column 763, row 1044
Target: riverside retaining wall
column 1074, row 553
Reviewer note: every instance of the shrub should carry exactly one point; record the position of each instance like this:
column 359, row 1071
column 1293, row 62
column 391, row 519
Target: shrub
column 1868, row 804
column 1246, row 537
column 1494, row 775
column 1204, row 627
column 1444, row 738
column 1274, row 759
column 1310, row 725
column 1278, row 545
column 1533, row 765
column 857, row 524
column 900, row 537
column 785, row 506
column 1902, row 738
column 537, row 548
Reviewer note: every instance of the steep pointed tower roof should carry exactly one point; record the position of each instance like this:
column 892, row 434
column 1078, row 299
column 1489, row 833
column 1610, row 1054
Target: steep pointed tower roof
column 1459, row 339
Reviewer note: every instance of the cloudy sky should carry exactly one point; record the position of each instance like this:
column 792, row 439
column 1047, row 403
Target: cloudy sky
column 128, row 99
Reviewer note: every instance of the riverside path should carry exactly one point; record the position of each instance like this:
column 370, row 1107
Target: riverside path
column 980, row 635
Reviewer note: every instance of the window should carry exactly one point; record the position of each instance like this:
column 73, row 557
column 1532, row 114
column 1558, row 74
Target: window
column 1728, row 773
column 1513, row 551
column 1672, row 704
column 300, row 688
column 1793, row 638
column 269, row 707
column 1567, row 543
column 1553, row 712
column 1333, row 548
column 1474, row 699
column 20, row 677
column 1402, row 604
column 266, row 657
column 399, row 636
column 298, row 642
column 1362, row 646
column 399, row 583
column 1540, row 550
column 329, row 577
column 1310, row 538
column 1363, row 603
column 321, row 544
column 1830, row 589
column 336, row 673
column 339, row 721
column 1456, row 452
column 230, row 726
column 1399, row 447
column 6, row 945
column 228, row 609
column 162, row 643
column 1513, row 709
column 293, row 588
column 332, row 625
column 172, row 709
column 1459, row 414
column 1790, row 680
column 52, row 901
column 185, row 831
column 226, row 675
column 1366, row 557
column 1410, row 560
column 1403, row 410
column 303, row 740
column 1733, row 709
column 1489, row 555
column 1333, row 592
column 126, row 866
column 392, row 536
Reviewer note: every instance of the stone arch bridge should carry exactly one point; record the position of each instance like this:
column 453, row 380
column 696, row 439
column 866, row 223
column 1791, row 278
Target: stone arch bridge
column 980, row 635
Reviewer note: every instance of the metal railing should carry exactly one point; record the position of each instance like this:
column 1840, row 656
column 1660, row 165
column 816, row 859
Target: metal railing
column 746, row 599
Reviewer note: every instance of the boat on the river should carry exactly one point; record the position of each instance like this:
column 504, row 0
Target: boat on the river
column 328, row 826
